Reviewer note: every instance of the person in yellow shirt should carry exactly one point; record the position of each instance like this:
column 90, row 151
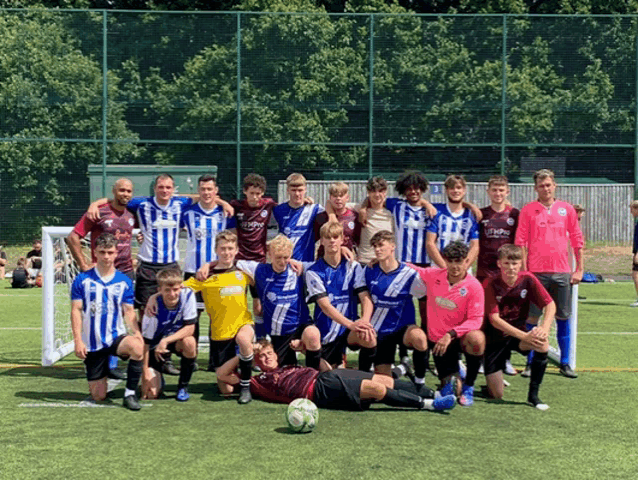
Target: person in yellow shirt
column 231, row 325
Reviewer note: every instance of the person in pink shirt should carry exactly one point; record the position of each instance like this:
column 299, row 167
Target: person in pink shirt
column 546, row 227
column 455, row 316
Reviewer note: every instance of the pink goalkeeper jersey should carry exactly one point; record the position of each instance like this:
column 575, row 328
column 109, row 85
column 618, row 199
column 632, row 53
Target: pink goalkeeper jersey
column 547, row 233
column 459, row 307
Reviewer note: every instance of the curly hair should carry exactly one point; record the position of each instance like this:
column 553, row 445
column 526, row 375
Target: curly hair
column 411, row 179
column 455, row 250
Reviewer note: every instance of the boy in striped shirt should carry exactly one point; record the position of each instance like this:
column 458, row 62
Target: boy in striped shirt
column 101, row 311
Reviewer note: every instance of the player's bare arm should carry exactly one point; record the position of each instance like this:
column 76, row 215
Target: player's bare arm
column 429, row 208
column 226, row 376
column 577, row 274
column 441, row 346
column 472, row 255
column 76, row 328
column 476, row 211
column 433, row 251
column 131, row 321
column 229, row 211
column 75, row 247
column 548, row 318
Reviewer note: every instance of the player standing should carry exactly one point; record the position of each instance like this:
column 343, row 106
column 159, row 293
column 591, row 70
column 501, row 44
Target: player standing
column 114, row 218
column 335, row 285
column 349, row 219
column 101, row 311
column 378, row 218
column 546, row 227
column 507, row 301
column 296, row 219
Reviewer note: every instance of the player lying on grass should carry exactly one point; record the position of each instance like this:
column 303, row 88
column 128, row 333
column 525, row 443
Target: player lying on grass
column 170, row 329
column 507, row 302
column 101, row 304
column 455, row 315
column 340, row 389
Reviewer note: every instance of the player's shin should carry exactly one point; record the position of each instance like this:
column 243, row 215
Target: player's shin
column 187, row 366
column 420, row 365
column 420, row 390
column 538, row 370
column 400, row 398
column 473, row 366
column 133, row 375
column 245, row 372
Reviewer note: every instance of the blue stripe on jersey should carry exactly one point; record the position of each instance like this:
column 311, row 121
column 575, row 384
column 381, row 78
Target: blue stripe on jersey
column 202, row 226
column 92, row 333
column 451, row 227
column 411, row 223
column 297, row 224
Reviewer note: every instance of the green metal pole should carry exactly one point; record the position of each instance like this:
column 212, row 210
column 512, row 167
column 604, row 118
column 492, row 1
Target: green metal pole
column 238, row 105
column 104, row 101
column 503, row 94
column 371, row 97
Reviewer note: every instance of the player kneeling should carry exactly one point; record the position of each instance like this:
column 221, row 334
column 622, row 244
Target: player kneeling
column 507, row 301
column 101, row 303
column 170, row 329
column 340, row 389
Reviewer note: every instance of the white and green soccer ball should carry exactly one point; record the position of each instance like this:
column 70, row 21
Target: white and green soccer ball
column 302, row 415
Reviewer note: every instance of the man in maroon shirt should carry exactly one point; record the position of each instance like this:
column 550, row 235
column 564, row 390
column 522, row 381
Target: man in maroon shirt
column 340, row 389
column 507, row 302
column 348, row 218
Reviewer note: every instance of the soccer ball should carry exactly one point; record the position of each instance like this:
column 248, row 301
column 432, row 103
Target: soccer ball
column 302, row 415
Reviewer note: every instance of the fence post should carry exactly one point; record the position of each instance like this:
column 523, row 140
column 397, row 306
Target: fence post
column 371, row 97
column 503, row 94
column 105, row 93
column 238, row 104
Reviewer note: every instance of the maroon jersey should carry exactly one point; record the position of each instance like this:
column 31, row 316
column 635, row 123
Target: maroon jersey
column 252, row 228
column 118, row 223
column 351, row 228
column 512, row 303
column 284, row 384
column 496, row 229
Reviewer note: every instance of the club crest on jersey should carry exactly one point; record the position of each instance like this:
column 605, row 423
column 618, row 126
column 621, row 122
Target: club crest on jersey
column 510, row 221
column 287, row 231
column 108, row 222
column 272, row 296
column 523, row 293
column 263, row 214
column 238, row 275
column 351, row 225
column 499, row 298
column 562, row 212
column 466, row 223
column 131, row 222
column 463, row 291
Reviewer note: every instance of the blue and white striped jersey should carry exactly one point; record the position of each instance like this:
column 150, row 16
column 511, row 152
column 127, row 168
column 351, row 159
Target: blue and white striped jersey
column 411, row 224
column 160, row 227
column 297, row 225
column 102, row 300
column 169, row 321
column 391, row 295
column 202, row 226
column 450, row 227
column 341, row 285
column 281, row 295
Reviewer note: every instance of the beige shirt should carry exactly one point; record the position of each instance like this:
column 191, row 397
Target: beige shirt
column 379, row 219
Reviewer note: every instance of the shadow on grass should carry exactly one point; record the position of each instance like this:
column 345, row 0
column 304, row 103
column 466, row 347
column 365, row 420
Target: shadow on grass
column 54, row 396
column 287, row 431
column 65, row 373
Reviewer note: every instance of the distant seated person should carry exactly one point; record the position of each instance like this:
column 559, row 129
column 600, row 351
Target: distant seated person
column 20, row 277
column 34, row 259
column 3, row 261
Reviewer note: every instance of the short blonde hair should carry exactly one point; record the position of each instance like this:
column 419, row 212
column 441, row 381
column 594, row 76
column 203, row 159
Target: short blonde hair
column 296, row 180
column 225, row 236
column 634, row 204
column 331, row 229
column 280, row 243
column 542, row 174
column 338, row 189
column 169, row 276
column 579, row 208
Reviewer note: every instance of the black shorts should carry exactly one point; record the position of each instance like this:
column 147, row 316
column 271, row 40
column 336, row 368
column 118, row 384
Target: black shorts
column 156, row 364
column 634, row 268
column 146, row 281
column 559, row 287
column 198, row 295
column 221, row 351
column 497, row 352
column 340, row 389
column 387, row 346
column 96, row 364
column 333, row 352
column 281, row 345
column 448, row 363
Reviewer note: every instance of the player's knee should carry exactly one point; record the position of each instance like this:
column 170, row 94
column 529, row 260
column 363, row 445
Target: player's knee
column 311, row 337
column 474, row 342
column 189, row 347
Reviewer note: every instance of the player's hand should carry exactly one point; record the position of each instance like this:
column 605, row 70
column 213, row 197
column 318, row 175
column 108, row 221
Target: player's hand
column 202, row 273
column 161, row 350
column 93, row 212
column 297, row 346
column 228, row 210
column 80, row 349
column 534, row 339
column 308, row 201
column 348, row 254
column 363, row 216
column 474, row 209
column 441, row 346
column 296, row 266
column 636, row 257
column 140, row 238
column 431, row 210
column 151, row 306
column 577, row 276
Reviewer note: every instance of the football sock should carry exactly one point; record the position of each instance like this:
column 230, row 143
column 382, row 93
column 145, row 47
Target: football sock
column 530, row 356
column 113, row 362
column 366, row 358
column 473, row 366
column 420, row 363
column 398, row 371
column 563, row 335
column 416, row 388
column 400, row 398
column 128, row 392
column 538, row 370
column 403, row 350
column 185, row 371
column 313, row 358
column 133, row 374
column 245, row 368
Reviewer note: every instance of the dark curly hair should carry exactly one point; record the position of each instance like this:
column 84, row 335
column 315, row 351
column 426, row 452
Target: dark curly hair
column 455, row 250
column 411, row 179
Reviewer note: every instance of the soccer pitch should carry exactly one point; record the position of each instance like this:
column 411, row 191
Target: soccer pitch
column 589, row 432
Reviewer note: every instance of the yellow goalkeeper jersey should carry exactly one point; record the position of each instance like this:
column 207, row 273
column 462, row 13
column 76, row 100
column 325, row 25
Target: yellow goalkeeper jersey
column 224, row 294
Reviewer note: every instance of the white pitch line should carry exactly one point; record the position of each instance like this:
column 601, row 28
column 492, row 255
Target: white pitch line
column 607, row 333
column 20, row 328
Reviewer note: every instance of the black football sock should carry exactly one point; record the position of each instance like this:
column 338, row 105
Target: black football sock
column 245, row 367
column 400, row 398
column 420, row 390
column 366, row 358
column 133, row 374
column 539, row 364
column 185, row 371
column 473, row 366
column 420, row 363
column 313, row 358
column 403, row 351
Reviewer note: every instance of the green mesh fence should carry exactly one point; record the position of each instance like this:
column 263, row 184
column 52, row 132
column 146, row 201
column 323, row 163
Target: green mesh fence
column 332, row 96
